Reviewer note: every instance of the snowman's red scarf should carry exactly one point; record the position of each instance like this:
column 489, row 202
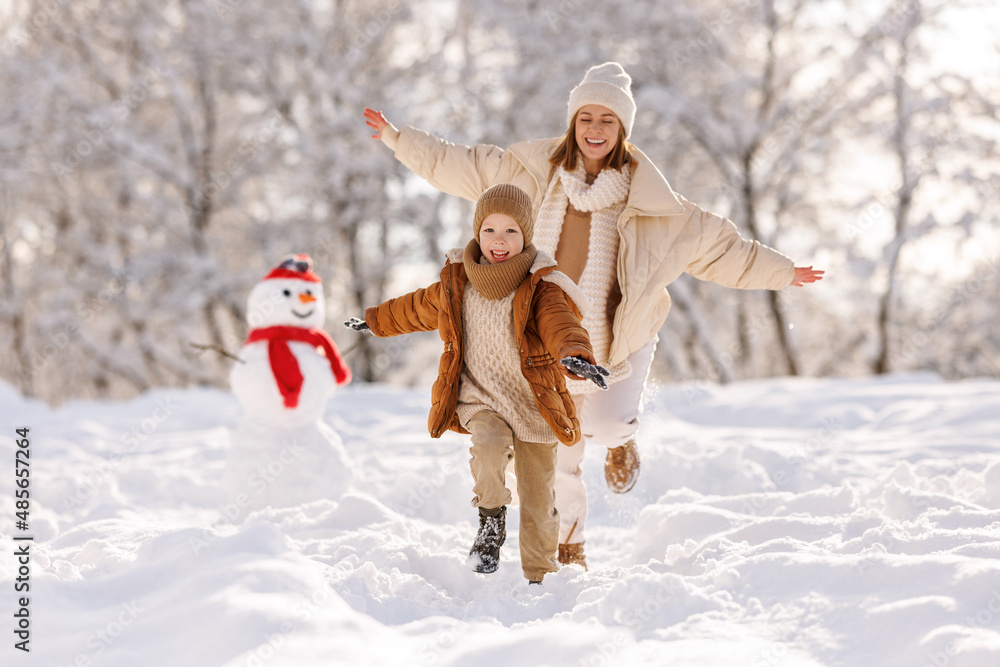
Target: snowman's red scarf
column 285, row 367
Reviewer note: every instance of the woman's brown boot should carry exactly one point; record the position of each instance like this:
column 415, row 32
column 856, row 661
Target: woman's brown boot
column 572, row 554
column 621, row 467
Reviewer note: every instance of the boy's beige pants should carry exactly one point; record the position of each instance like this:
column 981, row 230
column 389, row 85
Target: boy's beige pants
column 493, row 446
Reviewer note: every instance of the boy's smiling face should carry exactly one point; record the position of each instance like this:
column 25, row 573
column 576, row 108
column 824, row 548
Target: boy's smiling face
column 500, row 238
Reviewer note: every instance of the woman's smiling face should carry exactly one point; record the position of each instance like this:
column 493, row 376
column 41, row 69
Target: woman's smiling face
column 597, row 129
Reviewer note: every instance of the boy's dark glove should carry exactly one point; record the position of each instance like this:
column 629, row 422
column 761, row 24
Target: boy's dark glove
column 585, row 369
column 358, row 325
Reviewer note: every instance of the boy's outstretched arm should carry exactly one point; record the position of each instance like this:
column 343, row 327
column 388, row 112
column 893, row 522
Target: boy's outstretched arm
column 417, row 311
column 564, row 336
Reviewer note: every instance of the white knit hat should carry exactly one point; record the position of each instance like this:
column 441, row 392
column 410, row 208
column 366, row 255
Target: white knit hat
column 610, row 86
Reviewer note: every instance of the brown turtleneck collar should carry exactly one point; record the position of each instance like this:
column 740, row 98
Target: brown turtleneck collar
column 495, row 281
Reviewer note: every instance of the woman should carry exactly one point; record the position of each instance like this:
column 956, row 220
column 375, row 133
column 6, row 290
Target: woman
column 615, row 227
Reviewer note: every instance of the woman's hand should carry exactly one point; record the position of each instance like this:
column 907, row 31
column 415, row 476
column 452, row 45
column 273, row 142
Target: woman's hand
column 806, row 274
column 375, row 120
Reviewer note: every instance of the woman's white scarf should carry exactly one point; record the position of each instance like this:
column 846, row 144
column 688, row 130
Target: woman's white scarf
column 605, row 201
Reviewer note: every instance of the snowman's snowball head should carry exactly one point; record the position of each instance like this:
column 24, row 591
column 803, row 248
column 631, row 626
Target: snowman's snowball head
column 286, row 302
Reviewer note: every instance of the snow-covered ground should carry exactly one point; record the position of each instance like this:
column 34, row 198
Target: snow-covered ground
column 775, row 523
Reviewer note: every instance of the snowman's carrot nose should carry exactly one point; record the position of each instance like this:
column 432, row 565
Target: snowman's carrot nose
column 306, row 298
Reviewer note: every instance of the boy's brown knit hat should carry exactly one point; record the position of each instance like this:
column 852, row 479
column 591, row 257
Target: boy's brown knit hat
column 509, row 200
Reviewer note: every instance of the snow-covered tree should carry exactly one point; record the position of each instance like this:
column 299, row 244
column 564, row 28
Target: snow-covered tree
column 158, row 158
column 177, row 151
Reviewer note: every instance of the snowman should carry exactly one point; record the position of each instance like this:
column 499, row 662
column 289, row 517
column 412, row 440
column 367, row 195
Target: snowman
column 283, row 454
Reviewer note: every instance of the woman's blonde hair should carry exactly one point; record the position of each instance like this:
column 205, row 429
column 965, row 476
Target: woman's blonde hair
column 567, row 150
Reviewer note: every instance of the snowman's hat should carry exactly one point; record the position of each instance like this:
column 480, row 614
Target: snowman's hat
column 298, row 267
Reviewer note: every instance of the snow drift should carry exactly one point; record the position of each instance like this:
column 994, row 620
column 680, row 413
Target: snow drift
column 776, row 523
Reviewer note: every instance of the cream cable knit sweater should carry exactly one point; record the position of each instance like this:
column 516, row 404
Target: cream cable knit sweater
column 491, row 377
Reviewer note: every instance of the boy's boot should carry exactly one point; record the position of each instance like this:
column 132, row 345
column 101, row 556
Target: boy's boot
column 484, row 557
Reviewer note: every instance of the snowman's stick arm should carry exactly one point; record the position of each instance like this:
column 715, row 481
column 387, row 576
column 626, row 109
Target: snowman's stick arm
column 216, row 348
column 221, row 350
column 358, row 343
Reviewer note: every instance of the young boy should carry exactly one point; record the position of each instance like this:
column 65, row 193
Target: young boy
column 510, row 323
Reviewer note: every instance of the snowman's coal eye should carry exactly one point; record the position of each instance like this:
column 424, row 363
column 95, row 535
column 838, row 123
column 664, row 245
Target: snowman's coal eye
column 286, row 292
column 309, row 292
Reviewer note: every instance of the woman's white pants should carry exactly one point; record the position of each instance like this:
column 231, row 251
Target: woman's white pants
column 608, row 419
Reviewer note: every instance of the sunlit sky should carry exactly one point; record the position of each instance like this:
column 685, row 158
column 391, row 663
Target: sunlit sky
column 971, row 43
